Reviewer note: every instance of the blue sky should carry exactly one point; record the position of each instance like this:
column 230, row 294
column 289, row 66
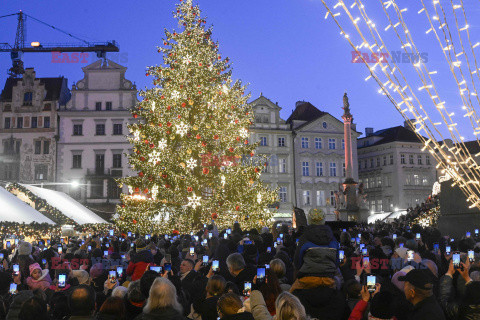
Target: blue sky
column 283, row 48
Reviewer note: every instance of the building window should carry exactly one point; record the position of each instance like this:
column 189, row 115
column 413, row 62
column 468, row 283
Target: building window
column 378, row 162
column 333, row 169
column 34, row 122
column 379, row 206
column 27, row 98
column 384, row 160
column 7, row 123
column 108, row 105
column 367, row 181
column 283, row 165
column 281, row 142
column 98, row 106
column 306, row 197
column 46, row 147
column 117, row 160
column 100, row 129
column 99, row 163
column 41, row 172
column 391, row 159
column 47, row 107
column 371, row 163
column 320, row 198
column 117, row 129
column 331, row 144
column 324, row 125
column 19, row 122
column 427, row 159
column 402, row 159
column 7, row 108
column 282, row 194
column 410, row 159
column 344, row 170
column 379, row 182
column 319, row 169
column 419, row 159
column 46, row 122
column 366, row 164
column 263, row 141
column 77, row 161
column 359, row 165
column 305, row 169
column 416, row 179
column 425, row 181
column 38, row 147
column 318, row 143
column 373, row 182
column 408, row 179
column 332, row 198
column 343, row 144
column 77, row 129
column 304, row 142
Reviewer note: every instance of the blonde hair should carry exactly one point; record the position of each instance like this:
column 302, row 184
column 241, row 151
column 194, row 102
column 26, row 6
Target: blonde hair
column 278, row 267
column 162, row 295
column 288, row 307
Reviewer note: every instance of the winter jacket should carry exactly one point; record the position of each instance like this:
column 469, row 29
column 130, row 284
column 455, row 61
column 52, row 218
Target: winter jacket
column 452, row 309
column 161, row 314
column 42, row 283
column 427, row 309
column 246, row 274
column 258, row 306
column 139, row 264
column 207, row 308
column 358, row 310
column 239, row 316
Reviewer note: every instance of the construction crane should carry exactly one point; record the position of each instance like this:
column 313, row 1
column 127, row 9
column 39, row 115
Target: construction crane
column 16, row 50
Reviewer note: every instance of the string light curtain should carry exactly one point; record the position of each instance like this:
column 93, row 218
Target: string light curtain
column 414, row 88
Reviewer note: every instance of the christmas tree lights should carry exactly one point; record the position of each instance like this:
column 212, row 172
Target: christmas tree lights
column 191, row 148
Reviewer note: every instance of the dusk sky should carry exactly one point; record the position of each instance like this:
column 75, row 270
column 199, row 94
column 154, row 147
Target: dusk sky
column 284, row 49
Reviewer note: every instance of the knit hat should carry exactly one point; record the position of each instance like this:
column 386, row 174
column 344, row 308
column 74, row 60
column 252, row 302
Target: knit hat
column 402, row 252
column 24, row 248
column 316, row 216
column 140, row 244
column 81, row 275
column 96, row 270
column 396, row 282
column 34, row 266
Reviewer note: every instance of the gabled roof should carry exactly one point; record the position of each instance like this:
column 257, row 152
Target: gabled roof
column 305, row 111
column 472, row 146
column 265, row 101
column 52, row 85
column 102, row 65
column 392, row 134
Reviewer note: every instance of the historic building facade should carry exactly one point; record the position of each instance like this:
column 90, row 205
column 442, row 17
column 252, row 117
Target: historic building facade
column 29, row 127
column 306, row 155
column 92, row 147
column 394, row 170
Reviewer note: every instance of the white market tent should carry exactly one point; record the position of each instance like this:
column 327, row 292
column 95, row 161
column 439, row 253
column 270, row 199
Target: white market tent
column 13, row 209
column 386, row 216
column 67, row 205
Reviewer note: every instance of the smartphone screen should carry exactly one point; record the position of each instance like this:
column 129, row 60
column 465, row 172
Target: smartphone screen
column 62, row 280
column 215, row 265
column 352, row 240
column 112, row 275
column 364, row 251
column 111, row 233
column 59, row 250
column 105, row 253
column 16, row 269
column 229, row 231
column 107, row 245
column 89, row 248
column 448, row 249
column 9, row 244
column 225, row 236
column 471, row 255
column 269, row 249
column 156, row 269
column 361, row 246
column 341, row 255
column 281, row 235
column 410, row 255
column 192, row 251
column 205, row 260
column 366, row 261
column 476, row 232
column 371, row 280
column 456, row 260
column 400, row 245
column 417, row 236
column 120, row 272
column 436, row 246
column 129, row 234
column 167, row 266
column 132, row 244
column 44, row 261
column 260, row 273
column 147, row 236
column 1, row 256
column 468, row 234
column 247, row 288
column 247, row 242
column 13, row 288
column 394, row 236
column 16, row 241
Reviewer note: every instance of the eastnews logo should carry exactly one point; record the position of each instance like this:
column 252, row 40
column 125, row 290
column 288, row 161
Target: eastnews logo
column 75, row 264
column 384, row 264
column 87, row 57
column 392, row 56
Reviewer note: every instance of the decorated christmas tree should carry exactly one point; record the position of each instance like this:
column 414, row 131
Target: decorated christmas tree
column 191, row 152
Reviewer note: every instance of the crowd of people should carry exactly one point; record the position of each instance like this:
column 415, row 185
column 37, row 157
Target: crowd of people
column 291, row 271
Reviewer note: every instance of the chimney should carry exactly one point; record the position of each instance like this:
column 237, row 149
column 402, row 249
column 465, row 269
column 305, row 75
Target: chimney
column 406, row 124
column 368, row 132
column 299, row 103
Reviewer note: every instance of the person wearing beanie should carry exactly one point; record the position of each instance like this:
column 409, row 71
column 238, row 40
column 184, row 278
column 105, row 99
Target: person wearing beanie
column 38, row 279
column 140, row 261
column 24, row 258
column 82, row 276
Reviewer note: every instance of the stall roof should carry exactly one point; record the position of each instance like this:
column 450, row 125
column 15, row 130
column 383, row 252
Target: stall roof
column 13, row 209
column 67, row 205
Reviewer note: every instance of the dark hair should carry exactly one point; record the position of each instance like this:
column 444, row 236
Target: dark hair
column 113, row 306
column 216, row 285
column 270, row 290
column 59, row 306
column 229, row 304
column 82, row 300
column 146, row 282
column 190, row 261
column 33, row 309
column 381, row 305
column 472, row 293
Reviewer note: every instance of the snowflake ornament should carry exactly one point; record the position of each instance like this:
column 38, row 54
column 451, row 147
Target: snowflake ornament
column 182, row 128
column 130, row 190
column 136, row 135
column 191, row 163
column 223, row 180
column 162, row 144
column 187, row 59
column 259, row 198
column 243, row 133
column 225, row 88
column 194, row 201
column 154, row 157
column 153, row 106
column 154, row 192
column 175, row 95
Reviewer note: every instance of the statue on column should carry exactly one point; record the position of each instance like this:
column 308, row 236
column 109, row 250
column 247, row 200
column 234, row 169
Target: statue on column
column 346, row 106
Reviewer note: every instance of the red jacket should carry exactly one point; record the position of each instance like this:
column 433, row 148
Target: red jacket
column 139, row 264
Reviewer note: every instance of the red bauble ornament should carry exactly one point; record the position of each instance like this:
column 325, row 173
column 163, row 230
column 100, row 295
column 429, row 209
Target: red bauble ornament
column 164, row 176
column 147, row 74
column 159, row 124
column 237, row 208
column 167, row 186
column 168, row 131
column 204, row 144
column 169, row 107
column 138, row 151
column 237, row 138
column 215, row 137
column 140, row 174
column 257, row 170
column 205, row 170
column 246, row 141
column 179, row 116
column 152, row 146
column 137, row 189
column 252, row 154
column 142, row 158
column 199, row 92
column 134, row 221
column 198, row 136
column 231, row 149
column 236, row 120
column 189, row 189
column 145, row 191
column 214, row 215
column 135, row 116
column 175, row 231
column 183, row 105
column 169, row 124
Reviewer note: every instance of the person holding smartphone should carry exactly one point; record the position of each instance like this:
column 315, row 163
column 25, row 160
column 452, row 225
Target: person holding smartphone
column 139, row 262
